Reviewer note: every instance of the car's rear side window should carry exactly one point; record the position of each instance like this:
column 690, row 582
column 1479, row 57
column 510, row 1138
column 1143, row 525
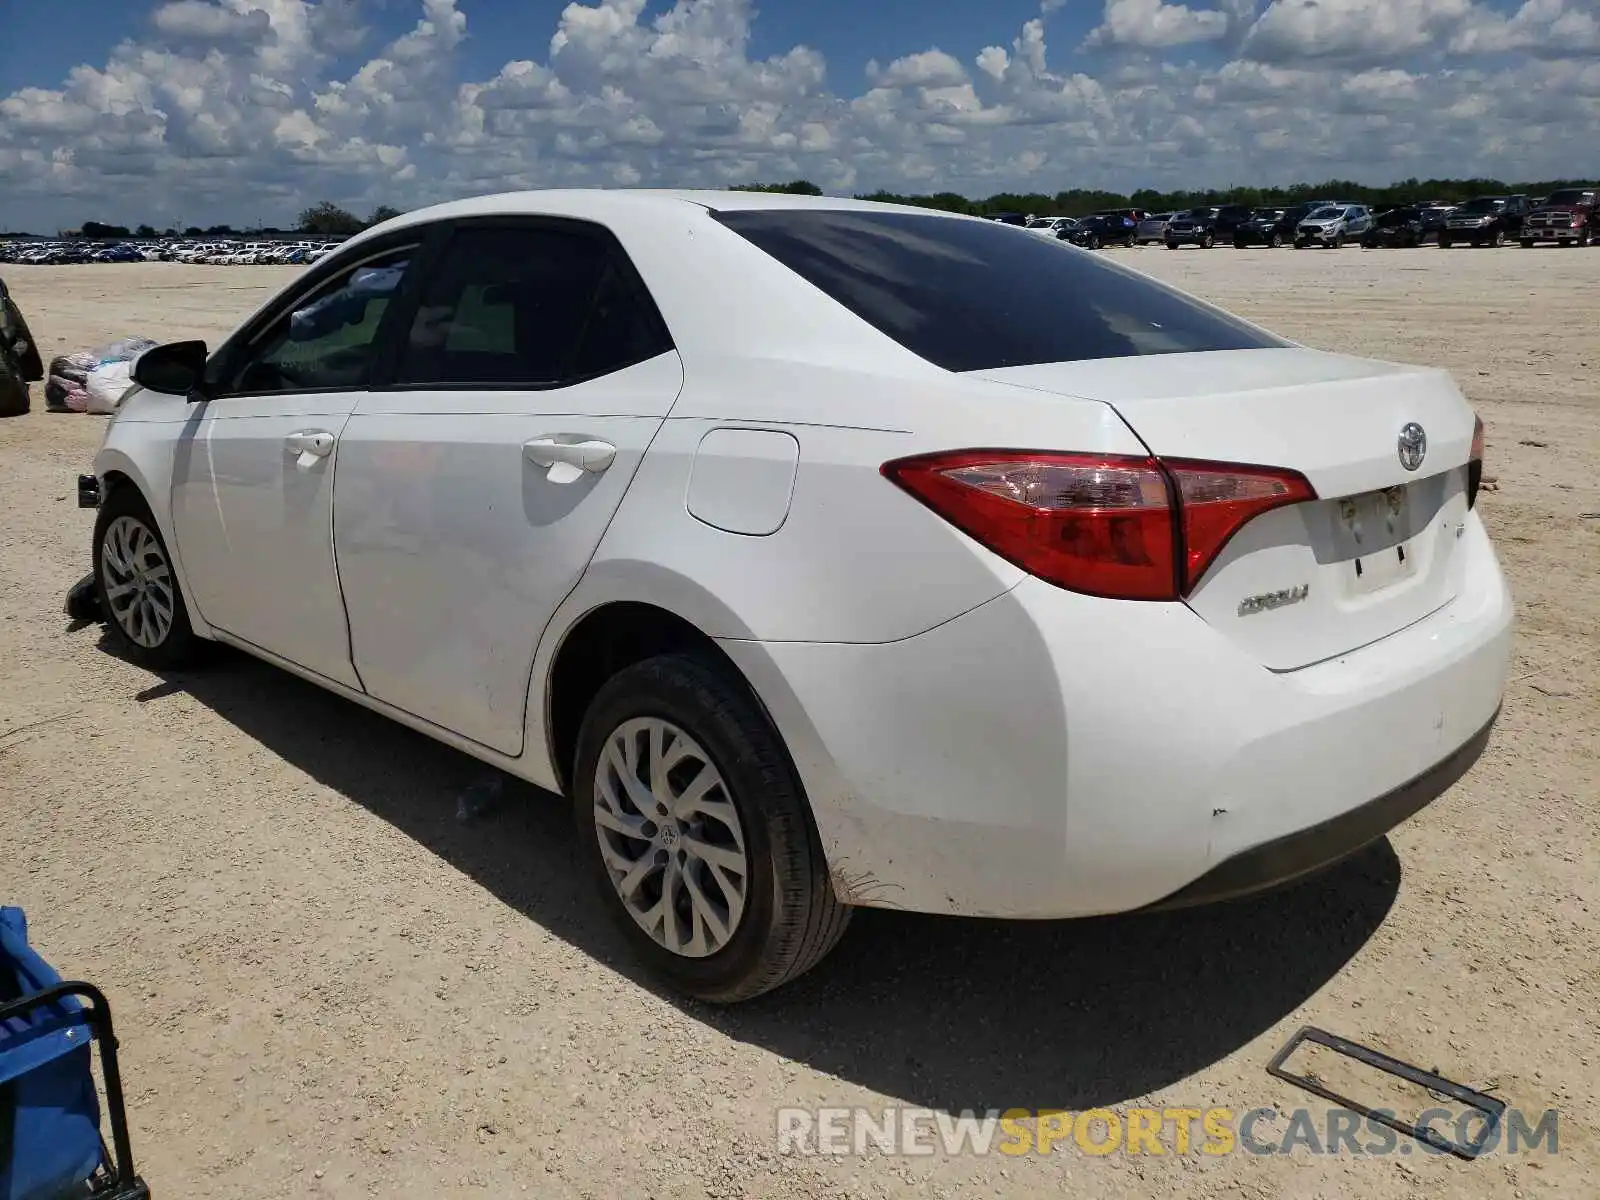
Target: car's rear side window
column 527, row 307
column 977, row 295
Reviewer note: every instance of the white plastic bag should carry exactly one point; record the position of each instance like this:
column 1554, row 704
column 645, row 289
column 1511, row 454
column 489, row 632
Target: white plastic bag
column 107, row 384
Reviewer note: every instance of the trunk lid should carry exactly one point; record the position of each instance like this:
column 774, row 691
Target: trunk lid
column 1373, row 554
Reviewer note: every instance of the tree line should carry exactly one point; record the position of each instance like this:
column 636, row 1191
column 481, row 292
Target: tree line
column 1079, row 201
column 330, row 220
column 324, row 219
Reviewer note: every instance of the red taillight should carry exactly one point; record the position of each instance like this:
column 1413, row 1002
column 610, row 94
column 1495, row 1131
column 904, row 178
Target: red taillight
column 1219, row 499
column 1090, row 523
column 1105, row 525
column 1475, row 462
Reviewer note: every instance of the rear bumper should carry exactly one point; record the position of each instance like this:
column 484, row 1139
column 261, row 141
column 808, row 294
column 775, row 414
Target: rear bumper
column 1054, row 755
column 1308, row 851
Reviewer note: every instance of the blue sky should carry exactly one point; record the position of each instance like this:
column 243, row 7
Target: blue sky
column 231, row 110
column 849, row 32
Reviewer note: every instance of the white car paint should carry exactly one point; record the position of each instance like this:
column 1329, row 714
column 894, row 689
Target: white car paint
column 446, row 599
column 971, row 738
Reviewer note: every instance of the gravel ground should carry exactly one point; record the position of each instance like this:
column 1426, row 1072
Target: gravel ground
column 327, row 985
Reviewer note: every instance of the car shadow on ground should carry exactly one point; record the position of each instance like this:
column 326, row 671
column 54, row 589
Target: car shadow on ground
column 937, row 1011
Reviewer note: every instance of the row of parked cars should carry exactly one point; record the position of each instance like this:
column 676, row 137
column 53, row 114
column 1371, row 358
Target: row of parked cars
column 1567, row 217
column 219, row 251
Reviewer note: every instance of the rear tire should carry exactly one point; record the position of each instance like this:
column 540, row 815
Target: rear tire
column 137, row 585
column 753, row 824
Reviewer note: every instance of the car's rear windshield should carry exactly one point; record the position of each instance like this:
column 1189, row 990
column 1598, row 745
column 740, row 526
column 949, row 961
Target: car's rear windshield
column 976, row 295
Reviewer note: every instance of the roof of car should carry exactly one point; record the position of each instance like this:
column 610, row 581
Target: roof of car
column 718, row 293
column 638, row 202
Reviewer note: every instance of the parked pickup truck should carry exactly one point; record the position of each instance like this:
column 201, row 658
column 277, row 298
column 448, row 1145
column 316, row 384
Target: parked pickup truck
column 1567, row 217
column 1485, row 221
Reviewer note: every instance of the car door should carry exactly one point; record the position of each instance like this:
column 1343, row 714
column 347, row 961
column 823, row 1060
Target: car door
column 475, row 486
column 252, row 488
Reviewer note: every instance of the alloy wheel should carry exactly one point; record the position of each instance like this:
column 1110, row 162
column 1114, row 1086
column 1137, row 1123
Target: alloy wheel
column 138, row 581
column 670, row 837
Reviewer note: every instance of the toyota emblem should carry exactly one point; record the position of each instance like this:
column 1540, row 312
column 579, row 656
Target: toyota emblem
column 1413, row 446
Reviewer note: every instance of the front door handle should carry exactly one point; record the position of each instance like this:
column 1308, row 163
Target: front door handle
column 569, row 461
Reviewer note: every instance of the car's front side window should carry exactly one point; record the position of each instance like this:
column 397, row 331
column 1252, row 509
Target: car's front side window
column 327, row 339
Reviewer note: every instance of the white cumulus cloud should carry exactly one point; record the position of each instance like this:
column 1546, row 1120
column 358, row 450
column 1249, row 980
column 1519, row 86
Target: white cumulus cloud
column 1156, row 25
column 233, row 110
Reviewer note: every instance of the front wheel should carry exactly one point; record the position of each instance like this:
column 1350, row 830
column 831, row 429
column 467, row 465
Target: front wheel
column 1338, row 241
column 1525, row 243
column 1444, row 242
column 1207, row 241
column 698, row 833
column 1091, row 242
column 1172, row 245
column 1275, row 241
column 137, row 586
column 1499, row 239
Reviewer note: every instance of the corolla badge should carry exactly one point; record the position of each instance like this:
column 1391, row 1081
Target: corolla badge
column 1267, row 601
column 1413, row 445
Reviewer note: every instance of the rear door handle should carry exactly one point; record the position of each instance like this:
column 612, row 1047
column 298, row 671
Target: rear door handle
column 569, row 461
column 312, row 443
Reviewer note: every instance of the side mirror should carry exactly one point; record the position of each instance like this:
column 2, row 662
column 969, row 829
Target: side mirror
column 175, row 369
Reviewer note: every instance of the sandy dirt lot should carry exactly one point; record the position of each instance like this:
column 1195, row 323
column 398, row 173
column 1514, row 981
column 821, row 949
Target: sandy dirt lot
column 326, row 985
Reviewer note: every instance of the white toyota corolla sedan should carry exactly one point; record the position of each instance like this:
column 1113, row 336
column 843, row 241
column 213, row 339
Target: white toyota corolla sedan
column 828, row 553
